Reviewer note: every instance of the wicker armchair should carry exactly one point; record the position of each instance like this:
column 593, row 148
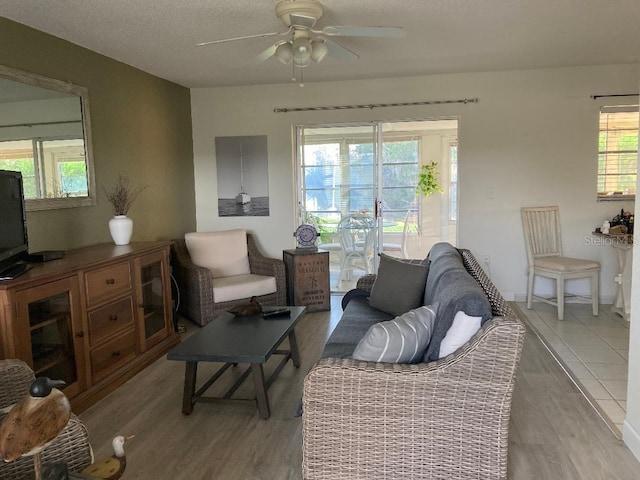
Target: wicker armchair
column 197, row 301
column 70, row 447
column 446, row 419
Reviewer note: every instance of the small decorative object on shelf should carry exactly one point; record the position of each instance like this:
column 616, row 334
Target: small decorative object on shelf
column 306, row 236
column 121, row 197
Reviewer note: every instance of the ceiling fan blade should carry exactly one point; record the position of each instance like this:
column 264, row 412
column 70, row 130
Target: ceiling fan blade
column 302, row 20
column 225, row 40
column 265, row 54
column 360, row 31
column 338, row 52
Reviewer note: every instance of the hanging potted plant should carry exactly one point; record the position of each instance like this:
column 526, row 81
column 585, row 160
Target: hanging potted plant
column 428, row 180
column 121, row 196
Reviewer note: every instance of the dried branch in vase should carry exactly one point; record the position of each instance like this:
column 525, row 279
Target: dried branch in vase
column 122, row 195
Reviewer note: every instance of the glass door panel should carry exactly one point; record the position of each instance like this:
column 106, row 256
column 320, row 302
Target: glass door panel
column 350, row 169
column 337, row 183
column 54, row 340
column 153, row 298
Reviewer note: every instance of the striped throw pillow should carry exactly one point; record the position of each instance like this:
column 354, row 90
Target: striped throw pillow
column 401, row 340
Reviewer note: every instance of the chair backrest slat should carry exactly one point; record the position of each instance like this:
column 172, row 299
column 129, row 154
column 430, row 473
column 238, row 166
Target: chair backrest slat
column 542, row 231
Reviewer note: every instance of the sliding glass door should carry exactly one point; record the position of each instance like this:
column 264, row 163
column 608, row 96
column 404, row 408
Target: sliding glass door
column 337, row 192
column 357, row 184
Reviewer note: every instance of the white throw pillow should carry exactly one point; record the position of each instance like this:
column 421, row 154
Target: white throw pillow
column 401, row 340
column 225, row 253
column 462, row 329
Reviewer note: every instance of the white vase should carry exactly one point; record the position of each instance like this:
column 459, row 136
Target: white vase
column 121, row 228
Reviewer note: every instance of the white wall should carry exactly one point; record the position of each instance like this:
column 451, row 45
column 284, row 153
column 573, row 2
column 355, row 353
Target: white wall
column 631, row 428
column 532, row 139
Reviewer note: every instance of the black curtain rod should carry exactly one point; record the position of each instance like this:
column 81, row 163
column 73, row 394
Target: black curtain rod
column 374, row 105
column 61, row 122
column 595, row 97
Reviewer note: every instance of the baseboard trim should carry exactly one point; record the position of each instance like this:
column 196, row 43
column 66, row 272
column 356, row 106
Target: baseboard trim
column 631, row 439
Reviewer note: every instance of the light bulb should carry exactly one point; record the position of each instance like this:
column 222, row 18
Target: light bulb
column 302, row 52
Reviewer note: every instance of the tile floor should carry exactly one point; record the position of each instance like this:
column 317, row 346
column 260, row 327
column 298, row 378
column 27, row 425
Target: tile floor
column 593, row 350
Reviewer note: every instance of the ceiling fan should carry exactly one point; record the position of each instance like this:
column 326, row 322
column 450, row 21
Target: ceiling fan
column 303, row 44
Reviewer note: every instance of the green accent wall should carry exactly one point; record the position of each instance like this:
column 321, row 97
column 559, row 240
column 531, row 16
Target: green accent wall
column 140, row 125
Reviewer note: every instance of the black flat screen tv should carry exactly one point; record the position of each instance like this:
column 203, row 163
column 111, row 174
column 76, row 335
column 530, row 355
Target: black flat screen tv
column 13, row 222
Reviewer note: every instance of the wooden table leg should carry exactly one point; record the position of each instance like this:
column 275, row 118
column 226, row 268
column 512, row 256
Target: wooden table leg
column 261, row 392
column 293, row 347
column 188, row 400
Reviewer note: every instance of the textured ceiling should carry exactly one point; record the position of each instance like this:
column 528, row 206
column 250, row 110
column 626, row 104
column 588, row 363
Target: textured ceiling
column 443, row 36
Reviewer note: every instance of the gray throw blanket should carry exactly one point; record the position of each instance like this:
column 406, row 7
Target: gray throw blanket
column 454, row 289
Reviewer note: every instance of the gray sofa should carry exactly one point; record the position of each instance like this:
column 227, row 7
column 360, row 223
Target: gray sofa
column 440, row 418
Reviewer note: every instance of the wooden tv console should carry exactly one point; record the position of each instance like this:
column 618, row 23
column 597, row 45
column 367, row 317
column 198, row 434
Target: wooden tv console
column 94, row 318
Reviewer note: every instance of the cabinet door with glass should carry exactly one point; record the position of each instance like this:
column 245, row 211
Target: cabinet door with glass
column 51, row 337
column 153, row 294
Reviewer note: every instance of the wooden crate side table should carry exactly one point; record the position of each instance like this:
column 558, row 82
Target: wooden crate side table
column 308, row 278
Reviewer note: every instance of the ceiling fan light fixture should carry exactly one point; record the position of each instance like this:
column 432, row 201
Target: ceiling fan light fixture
column 302, row 51
column 319, row 50
column 284, row 53
column 302, row 62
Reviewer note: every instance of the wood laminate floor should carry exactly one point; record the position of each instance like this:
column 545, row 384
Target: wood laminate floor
column 555, row 434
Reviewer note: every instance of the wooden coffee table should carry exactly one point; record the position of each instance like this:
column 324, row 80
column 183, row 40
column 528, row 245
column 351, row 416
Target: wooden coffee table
column 233, row 340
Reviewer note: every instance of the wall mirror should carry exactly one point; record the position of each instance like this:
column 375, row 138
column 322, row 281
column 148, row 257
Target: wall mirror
column 45, row 133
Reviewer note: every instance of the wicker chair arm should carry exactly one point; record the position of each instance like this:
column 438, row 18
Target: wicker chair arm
column 365, row 282
column 262, row 265
column 414, row 420
column 184, row 268
column 196, row 283
column 15, row 379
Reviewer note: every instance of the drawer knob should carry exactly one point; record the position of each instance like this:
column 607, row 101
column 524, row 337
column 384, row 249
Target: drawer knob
column 113, row 318
column 80, row 334
column 115, row 354
column 110, row 281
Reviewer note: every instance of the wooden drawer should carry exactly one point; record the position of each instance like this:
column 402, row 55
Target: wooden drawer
column 113, row 355
column 107, row 282
column 110, row 318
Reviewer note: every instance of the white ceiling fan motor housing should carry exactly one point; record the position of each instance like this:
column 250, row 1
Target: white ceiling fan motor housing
column 299, row 12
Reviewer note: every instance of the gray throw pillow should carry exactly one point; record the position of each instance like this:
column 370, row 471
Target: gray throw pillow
column 399, row 286
column 401, row 340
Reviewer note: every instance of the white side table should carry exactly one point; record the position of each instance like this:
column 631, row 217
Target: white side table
column 624, row 253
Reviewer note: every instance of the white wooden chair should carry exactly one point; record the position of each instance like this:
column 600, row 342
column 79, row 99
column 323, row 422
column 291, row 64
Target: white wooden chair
column 356, row 240
column 544, row 252
column 409, row 221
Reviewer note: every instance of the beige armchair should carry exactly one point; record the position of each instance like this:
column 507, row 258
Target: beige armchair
column 70, row 447
column 205, row 292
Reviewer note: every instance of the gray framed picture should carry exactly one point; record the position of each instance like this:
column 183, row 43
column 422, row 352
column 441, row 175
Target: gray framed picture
column 243, row 176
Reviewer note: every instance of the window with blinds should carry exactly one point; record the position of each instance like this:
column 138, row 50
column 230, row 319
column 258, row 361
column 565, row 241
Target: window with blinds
column 618, row 152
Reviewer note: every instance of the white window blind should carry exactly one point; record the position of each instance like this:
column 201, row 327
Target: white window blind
column 618, row 152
